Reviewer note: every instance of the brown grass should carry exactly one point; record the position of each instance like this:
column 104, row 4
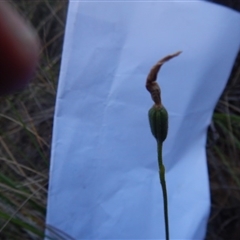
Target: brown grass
column 26, row 121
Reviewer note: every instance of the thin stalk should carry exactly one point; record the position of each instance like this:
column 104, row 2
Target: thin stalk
column 164, row 188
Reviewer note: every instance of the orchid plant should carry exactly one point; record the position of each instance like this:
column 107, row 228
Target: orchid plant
column 158, row 119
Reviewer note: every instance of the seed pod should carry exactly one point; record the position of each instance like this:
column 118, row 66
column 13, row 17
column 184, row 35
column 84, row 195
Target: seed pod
column 158, row 119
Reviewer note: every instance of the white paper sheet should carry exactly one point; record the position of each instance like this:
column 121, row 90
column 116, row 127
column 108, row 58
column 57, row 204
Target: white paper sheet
column 104, row 181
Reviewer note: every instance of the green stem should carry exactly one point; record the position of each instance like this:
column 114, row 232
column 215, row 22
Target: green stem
column 164, row 188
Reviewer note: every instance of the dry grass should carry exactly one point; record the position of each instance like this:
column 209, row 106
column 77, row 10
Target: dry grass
column 223, row 162
column 26, row 128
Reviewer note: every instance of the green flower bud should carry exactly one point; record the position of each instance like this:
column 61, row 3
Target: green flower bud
column 158, row 119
